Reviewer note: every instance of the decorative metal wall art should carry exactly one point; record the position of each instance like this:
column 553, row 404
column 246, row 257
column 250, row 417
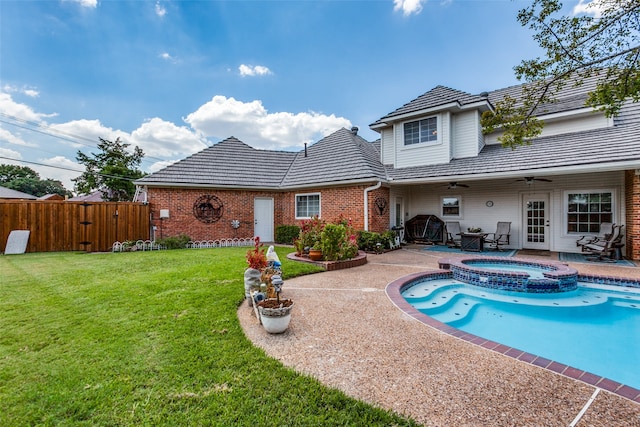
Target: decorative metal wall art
column 208, row 208
column 381, row 205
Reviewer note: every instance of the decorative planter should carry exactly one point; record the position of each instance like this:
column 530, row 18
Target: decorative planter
column 251, row 283
column 275, row 317
column 315, row 254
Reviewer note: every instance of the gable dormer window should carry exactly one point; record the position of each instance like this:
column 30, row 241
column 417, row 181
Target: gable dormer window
column 425, row 130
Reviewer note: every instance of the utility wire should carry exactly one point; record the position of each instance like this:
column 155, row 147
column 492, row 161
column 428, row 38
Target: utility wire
column 65, row 136
column 68, row 169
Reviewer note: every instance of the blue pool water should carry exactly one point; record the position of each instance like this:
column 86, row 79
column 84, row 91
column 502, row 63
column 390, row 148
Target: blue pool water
column 594, row 328
column 534, row 272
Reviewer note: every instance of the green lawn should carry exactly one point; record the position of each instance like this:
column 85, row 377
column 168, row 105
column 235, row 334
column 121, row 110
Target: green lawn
column 148, row 338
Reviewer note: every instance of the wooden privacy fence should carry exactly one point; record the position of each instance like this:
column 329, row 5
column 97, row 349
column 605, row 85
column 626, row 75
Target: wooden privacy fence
column 74, row 226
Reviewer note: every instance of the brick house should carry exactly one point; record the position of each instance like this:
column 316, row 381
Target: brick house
column 231, row 181
column 432, row 158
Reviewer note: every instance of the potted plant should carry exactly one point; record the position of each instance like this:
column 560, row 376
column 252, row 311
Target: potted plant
column 315, row 253
column 257, row 261
column 275, row 313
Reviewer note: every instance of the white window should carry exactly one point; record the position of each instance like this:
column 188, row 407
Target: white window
column 425, row 130
column 586, row 210
column 451, row 206
column 307, row 205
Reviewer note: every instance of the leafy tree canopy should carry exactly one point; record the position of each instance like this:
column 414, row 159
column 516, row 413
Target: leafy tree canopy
column 603, row 43
column 26, row 180
column 111, row 171
column 10, row 172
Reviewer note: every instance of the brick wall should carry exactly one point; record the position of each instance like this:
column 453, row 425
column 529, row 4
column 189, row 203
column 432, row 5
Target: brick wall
column 632, row 227
column 238, row 205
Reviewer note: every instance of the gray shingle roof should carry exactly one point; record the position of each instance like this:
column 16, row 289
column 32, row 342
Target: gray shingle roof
column 619, row 143
column 436, row 97
column 570, row 97
column 7, row 193
column 341, row 156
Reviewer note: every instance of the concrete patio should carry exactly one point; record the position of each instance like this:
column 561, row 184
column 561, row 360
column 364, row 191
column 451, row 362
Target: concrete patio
column 348, row 334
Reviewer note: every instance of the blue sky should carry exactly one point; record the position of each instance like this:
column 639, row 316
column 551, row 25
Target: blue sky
column 174, row 77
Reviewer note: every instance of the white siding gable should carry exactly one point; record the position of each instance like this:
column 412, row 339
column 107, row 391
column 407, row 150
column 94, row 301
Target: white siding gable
column 465, row 129
column 387, row 147
column 586, row 120
column 431, row 153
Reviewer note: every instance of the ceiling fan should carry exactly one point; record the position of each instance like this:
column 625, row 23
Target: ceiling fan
column 454, row 185
column 529, row 180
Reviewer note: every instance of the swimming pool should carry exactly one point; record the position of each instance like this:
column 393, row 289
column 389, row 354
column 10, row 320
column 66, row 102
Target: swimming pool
column 588, row 332
column 593, row 328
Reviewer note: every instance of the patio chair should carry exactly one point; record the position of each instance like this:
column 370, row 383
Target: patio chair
column 500, row 237
column 605, row 250
column 606, row 228
column 454, row 235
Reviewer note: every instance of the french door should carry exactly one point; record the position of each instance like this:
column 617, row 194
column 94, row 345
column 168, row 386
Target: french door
column 536, row 221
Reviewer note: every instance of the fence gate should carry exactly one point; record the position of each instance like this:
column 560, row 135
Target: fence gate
column 74, row 226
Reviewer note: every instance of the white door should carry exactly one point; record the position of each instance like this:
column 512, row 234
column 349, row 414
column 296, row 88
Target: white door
column 399, row 217
column 263, row 218
column 536, row 221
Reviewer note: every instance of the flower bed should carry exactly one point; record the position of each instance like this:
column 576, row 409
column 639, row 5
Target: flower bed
column 358, row 260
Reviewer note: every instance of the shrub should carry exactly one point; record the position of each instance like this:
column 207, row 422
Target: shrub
column 175, row 242
column 310, row 231
column 338, row 242
column 257, row 257
column 368, row 240
column 285, row 234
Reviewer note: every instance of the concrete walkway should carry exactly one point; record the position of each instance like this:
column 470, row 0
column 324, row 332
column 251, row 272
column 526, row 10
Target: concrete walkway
column 347, row 333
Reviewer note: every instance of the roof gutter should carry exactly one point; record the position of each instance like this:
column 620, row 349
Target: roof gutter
column 366, row 203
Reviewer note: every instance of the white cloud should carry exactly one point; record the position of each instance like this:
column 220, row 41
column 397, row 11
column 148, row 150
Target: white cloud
column 10, row 154
column 253, row 124
column 90, row 130
column 160, row 138
column 161, row 11
column 250, row 70
column 30, row 92
column 593, row 7
column 11, row 138
column 87, row 3
column 22, row 111
column 408, row 7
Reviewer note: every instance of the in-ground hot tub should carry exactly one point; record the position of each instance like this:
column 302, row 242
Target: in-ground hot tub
column 513, row 275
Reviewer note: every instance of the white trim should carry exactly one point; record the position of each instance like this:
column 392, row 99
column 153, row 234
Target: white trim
column 366, row 203
column 295, row 203
column 417, row 145
column 451, row 196
column 565, row 208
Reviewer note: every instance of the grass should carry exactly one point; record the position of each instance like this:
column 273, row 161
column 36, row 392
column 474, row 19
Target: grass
column 148, row 338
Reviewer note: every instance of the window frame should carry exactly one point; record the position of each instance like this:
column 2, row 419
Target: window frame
column 306, row 196
column 590, row 220
column 442, row 206
column 420, row 143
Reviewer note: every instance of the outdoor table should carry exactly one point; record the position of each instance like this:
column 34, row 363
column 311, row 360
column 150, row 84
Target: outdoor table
column 473, row 242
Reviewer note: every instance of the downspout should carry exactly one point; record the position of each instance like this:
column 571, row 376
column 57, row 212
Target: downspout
column 366, row 203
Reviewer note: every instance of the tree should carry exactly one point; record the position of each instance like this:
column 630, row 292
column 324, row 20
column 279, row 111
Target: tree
column 605, row 46
column 10, row 172
column 111, row 171
column 26, row 180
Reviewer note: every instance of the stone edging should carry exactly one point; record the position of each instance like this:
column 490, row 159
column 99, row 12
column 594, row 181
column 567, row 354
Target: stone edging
column 360, row 259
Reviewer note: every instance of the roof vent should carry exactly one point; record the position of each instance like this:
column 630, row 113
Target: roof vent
column 484, row 95
column 354, row 130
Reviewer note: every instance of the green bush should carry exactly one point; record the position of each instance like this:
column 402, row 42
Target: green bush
column 175, row 242
column 285, row 234
column 368, row 240
column 337, row 242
